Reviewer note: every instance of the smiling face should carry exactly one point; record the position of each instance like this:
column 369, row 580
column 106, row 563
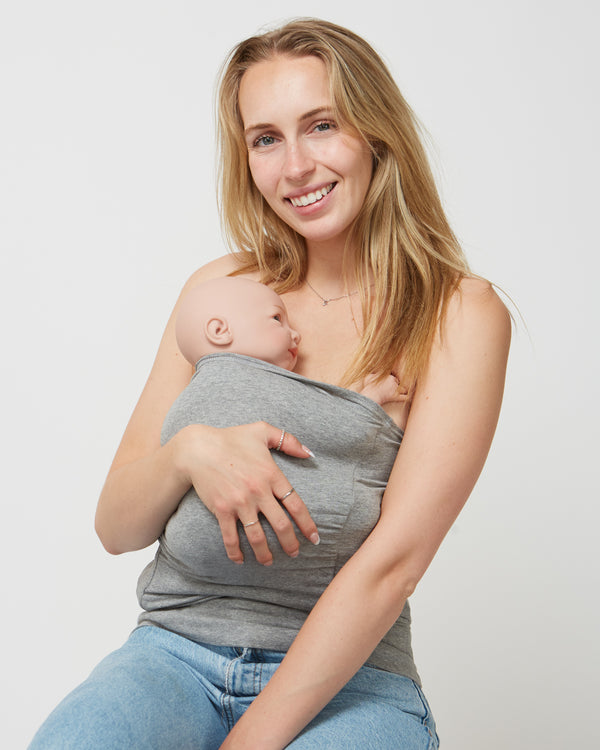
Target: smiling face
column 311, row 171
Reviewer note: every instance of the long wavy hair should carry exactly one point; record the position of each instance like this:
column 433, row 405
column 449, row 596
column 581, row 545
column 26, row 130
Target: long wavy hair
column 401, row 238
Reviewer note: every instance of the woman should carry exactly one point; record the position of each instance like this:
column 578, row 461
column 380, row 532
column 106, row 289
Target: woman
column 326, row 196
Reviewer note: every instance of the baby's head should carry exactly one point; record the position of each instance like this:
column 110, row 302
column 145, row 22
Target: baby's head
column 234, row 314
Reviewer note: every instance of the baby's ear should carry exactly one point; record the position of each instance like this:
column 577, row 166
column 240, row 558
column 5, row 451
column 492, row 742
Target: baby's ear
column 218, row 332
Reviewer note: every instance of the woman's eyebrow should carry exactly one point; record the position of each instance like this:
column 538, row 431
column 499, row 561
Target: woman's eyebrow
column 306, row 116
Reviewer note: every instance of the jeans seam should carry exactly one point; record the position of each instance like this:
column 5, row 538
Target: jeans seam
column 433, row 737
column 227, row 712
column 257, row 678
column 423, row 703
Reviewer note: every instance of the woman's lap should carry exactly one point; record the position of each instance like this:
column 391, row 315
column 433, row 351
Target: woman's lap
column 376, row 710
column 162, row 691
column 140, row 696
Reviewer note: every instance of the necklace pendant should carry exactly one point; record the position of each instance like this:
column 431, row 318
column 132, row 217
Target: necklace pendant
column 325, row 301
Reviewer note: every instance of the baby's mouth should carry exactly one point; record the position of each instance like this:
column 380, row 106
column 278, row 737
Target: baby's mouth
column 310, row 198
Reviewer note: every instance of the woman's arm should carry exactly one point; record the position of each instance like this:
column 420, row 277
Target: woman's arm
column 231, row 469
column 448, row 435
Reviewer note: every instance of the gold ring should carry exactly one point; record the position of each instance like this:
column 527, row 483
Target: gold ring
column 280, row 441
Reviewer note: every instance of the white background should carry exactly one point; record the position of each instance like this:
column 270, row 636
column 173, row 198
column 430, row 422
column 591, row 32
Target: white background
column 107, row 204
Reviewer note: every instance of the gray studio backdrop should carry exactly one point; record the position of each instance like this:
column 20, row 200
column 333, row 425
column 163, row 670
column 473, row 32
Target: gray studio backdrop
column 107, row 204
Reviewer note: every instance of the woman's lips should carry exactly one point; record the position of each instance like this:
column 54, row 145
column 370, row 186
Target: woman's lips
column 311, row 197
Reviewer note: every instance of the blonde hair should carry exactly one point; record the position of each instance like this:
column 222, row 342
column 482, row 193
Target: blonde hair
column 401, row 237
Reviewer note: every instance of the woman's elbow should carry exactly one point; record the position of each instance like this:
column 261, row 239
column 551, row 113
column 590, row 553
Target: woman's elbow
column 106, row 539
column 397, row 580
column 110, row 530
column 403, row 582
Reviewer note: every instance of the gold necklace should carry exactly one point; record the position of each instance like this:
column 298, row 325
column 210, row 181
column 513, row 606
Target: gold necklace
column 331, row 299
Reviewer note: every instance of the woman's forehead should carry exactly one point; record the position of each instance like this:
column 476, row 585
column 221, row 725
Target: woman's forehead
column 293, row 83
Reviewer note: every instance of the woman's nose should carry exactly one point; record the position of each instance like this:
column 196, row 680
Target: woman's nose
column 298, row 161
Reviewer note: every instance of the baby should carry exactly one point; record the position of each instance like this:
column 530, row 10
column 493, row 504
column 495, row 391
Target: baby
column 235, row 314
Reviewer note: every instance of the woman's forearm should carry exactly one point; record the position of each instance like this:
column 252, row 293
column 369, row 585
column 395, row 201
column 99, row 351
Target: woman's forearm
column 443, row 451
column 138, row 498
column 353, row 614
column 140, row 495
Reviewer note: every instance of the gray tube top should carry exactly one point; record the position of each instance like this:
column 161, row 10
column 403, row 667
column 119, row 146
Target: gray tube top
column 194, row 590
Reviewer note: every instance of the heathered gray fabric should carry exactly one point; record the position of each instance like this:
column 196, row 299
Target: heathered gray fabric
column 192, row 589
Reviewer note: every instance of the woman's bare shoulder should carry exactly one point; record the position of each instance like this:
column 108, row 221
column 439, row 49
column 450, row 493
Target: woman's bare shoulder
column 170, row 373
column 477, row 289
column 216, row 268
column 476, row 304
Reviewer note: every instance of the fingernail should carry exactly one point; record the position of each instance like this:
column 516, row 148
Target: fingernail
column 270, row 562
column 295, row 554
column 308, row 450
column 315, row 538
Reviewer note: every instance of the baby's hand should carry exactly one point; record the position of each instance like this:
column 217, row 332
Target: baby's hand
column 382, row 392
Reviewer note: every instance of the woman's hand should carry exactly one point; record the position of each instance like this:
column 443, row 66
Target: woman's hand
column 231, row 469
column 236, row 478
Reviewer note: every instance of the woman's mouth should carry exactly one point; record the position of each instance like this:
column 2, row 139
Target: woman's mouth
column 313, row 197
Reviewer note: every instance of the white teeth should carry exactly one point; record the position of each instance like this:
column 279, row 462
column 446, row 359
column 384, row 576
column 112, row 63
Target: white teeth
column 307, row 200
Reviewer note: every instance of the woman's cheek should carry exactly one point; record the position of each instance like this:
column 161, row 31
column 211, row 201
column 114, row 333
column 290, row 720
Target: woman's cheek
column 263, row 169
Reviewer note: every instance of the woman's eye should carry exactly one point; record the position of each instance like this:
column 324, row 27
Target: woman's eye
column 264, row 140
column 323, row 127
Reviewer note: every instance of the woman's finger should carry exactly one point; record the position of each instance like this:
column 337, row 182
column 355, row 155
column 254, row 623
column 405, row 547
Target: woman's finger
column 281, row 524
column 243, row 520
column 236, row 491
column 289, row 499
column 231, row 540
column 258, row 541
column 281, row 440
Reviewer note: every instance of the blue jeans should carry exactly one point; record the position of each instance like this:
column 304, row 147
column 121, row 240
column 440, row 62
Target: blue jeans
column 163, row 691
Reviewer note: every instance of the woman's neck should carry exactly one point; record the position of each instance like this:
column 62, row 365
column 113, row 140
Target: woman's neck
column 326, row 266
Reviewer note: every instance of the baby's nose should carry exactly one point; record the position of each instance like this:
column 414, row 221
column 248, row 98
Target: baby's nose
column 295, row 337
